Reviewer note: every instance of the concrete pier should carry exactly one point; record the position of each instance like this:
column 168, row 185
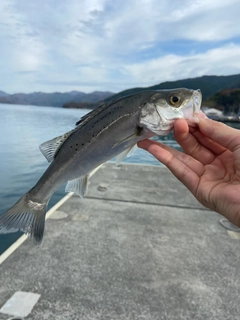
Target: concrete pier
column 138, row 247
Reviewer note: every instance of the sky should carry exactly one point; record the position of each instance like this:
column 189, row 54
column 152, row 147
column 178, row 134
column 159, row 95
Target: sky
column 113, row 45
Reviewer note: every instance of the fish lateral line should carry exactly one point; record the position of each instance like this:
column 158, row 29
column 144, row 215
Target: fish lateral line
column 124, row 122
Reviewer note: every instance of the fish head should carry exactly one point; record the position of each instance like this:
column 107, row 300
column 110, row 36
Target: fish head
column 166, row 106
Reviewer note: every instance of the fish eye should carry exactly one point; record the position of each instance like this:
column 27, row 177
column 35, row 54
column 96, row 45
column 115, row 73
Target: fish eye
column 174, row 100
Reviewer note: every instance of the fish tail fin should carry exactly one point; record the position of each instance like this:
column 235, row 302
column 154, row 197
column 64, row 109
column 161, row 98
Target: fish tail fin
column 27, row 216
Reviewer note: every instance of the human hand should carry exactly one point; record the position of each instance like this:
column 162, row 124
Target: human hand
column 209, row 166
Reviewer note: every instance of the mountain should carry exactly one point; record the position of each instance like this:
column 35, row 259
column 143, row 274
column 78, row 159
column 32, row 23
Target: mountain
column 209, row 85
column 3, row 94
column 80, row 105
column 56, row 99
column 227, row 100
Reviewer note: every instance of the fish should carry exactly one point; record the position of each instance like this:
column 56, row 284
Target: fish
column 111, row 130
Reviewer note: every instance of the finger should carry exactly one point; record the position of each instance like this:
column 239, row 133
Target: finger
column 182, row 171
column 190, row 144
column 211, row 145
column 159, row 153
column 181, row 127
column 220, row 133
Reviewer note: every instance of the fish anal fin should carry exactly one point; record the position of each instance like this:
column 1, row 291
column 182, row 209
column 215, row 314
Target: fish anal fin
column 78, row 186
column 50, row 148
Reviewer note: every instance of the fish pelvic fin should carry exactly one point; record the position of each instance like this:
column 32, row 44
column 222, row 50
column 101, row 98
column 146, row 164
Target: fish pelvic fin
column 27, row 216
column 78, row 186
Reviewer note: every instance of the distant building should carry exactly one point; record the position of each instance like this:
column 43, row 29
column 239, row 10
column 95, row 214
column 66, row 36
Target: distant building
column 213, row 113
column 218, row 115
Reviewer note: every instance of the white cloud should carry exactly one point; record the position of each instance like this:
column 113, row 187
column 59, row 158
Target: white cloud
column 221, row 61
column 112, row 45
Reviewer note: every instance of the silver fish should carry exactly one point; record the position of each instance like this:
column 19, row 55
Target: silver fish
column 111, row 130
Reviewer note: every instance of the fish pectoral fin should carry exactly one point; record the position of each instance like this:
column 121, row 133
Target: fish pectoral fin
column 138, row 132
column 125, row 140
column 126, row 153
column 78, row 186
column 50, row 148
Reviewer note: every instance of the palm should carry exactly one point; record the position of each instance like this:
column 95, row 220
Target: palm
column 209, row 166
column 219, row 185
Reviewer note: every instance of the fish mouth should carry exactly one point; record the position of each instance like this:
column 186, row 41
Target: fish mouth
column 197, row 101
column 192, row 109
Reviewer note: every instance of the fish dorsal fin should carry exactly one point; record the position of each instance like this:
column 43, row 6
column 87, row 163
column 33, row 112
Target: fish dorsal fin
column 50, row 148
column 94, row 113
column 126, row 153
column 78, row 186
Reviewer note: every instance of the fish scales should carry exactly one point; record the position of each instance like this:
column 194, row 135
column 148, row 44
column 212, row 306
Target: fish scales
column 111, row 130
column 92, row 135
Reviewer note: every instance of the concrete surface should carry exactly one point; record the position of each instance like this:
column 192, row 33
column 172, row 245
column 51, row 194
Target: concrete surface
column 138, row 247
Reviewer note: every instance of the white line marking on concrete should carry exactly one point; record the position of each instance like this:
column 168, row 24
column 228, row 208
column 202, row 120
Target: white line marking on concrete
column 20, row 304
column 24, row 237
column 234, row 235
